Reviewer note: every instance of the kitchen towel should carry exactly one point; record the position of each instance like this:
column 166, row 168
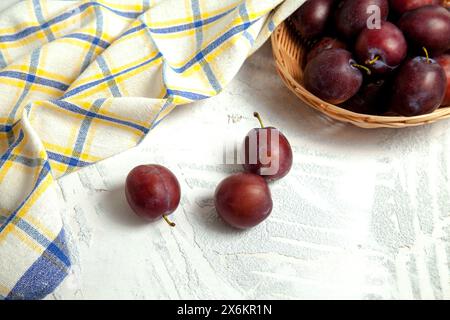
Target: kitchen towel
column 83, row 80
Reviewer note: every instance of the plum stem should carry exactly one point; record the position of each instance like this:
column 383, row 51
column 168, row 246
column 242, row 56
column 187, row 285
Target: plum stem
column 426, row 54
column 170, row 223
column 371, row 62
column 257, row 116
column 362, row 68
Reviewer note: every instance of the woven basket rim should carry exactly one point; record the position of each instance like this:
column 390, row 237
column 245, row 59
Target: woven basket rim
column 282, row 38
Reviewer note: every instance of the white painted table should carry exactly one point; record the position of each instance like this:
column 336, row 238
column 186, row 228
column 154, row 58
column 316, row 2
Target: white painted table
column 363, row 214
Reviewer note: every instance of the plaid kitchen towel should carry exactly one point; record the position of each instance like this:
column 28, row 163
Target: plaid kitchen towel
column 83, row 80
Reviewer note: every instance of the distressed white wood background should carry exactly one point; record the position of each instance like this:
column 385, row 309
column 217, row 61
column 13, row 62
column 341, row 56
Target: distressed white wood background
column 364, row 214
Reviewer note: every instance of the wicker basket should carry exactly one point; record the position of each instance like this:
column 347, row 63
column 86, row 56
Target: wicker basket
column 289, row 53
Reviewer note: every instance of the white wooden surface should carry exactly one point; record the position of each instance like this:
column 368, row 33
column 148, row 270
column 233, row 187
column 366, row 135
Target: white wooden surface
column 363, row 214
